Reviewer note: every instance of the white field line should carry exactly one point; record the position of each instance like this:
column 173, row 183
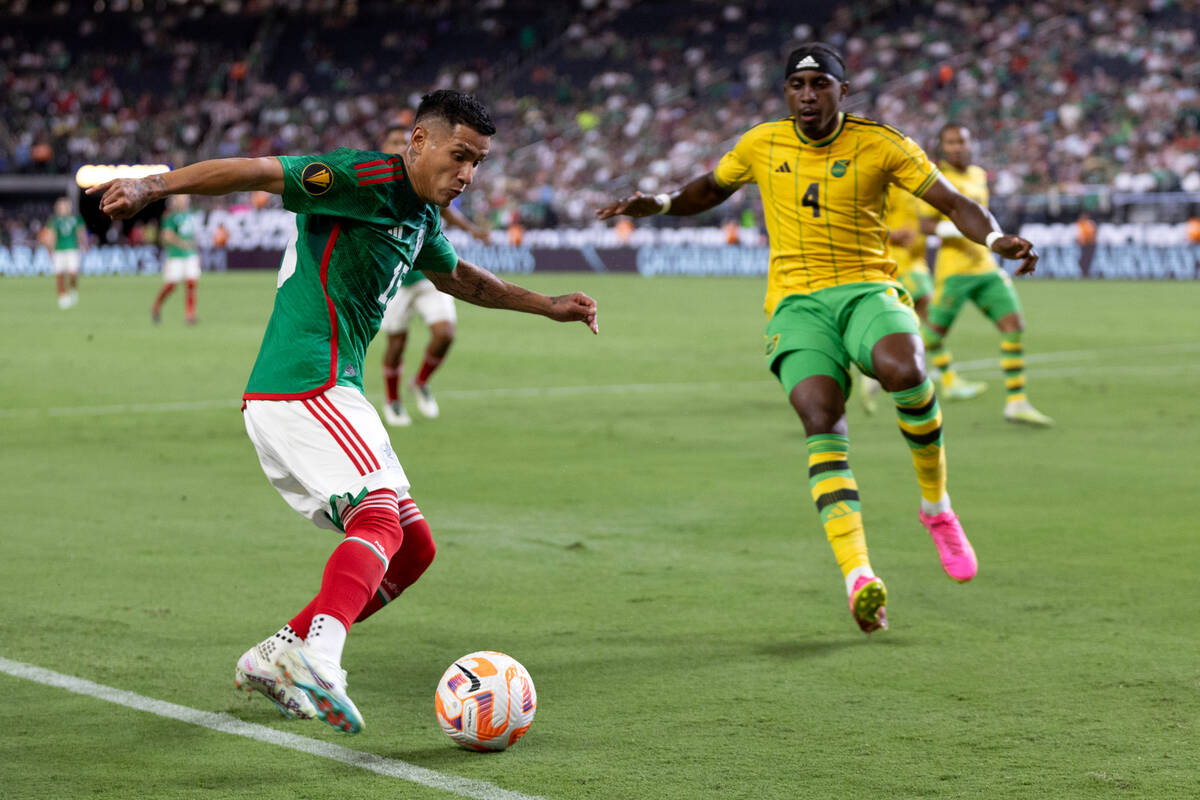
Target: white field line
column 224, row 723
column 656, row 388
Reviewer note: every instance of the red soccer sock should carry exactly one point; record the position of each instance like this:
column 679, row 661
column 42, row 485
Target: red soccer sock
column 162, row 295
column 410, row 562
column 358, row 564
column 391, row 382
column 190, row 306
column 60, row 283
column 428, row 367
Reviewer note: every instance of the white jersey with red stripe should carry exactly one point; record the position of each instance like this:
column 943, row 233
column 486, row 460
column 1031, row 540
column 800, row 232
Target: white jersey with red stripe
column 325, row 454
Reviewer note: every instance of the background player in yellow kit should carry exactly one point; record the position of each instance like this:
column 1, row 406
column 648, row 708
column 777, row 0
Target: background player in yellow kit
column 906, row 246
column 966, row 270
column 832, row 295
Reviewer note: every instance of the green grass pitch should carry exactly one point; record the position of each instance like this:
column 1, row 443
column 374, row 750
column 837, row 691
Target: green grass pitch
column 629, row 516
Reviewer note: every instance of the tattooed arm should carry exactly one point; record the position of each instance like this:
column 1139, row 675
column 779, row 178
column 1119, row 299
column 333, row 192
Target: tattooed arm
column 125, row 197
column 478, row 286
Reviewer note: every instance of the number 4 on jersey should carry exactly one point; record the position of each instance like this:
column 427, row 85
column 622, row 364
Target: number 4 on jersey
column 812, row 199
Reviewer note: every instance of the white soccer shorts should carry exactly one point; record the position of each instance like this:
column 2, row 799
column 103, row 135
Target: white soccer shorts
column 423, row 298
column 65, row 261
column 325, row 453
column 183, row 268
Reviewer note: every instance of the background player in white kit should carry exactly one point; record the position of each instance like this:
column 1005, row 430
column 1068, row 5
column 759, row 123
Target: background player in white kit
column 436, row 309
column 363, row 220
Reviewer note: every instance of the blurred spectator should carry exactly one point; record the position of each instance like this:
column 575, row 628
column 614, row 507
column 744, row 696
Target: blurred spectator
column 1066, row 95
column 1085, row 236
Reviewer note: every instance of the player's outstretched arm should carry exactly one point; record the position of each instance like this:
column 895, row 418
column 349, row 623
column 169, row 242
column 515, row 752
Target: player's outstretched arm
column 125, row 197
column 698, row 194
column 977, row 224
column 478, row 286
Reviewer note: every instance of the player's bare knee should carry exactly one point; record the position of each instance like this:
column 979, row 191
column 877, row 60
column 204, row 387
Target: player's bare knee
column 821, row 405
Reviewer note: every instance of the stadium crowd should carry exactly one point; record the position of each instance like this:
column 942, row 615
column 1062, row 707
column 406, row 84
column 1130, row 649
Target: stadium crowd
column 1062, row 95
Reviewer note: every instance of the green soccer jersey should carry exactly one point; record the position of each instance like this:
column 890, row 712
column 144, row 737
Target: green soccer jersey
column 184, row 224
column 360, row 229
column 66, row 232
column 413, row 276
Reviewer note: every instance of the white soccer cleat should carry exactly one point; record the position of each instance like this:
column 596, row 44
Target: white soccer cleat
column 257, row 673
column 64, row 301
column 425, row 402
column 1021, row 411
column 396, row 415
column 325, row 684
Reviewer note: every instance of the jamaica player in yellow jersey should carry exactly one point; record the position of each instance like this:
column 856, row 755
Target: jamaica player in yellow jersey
column 967, row 271
column 906, row 246
column 832, row 297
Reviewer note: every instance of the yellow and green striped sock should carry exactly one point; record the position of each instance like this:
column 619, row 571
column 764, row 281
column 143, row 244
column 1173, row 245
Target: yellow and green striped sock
column 835, row 492
column 920, row 420
column 1012, row 361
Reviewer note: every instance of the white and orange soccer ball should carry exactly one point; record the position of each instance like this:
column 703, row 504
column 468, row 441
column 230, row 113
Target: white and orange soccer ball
column 485, row 701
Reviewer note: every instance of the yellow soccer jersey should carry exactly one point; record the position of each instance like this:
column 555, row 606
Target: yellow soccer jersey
column 959, row 255
column 824, row 200
column 904, row 211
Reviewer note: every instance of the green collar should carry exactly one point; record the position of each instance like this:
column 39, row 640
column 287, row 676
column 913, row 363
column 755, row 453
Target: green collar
column 822, row 142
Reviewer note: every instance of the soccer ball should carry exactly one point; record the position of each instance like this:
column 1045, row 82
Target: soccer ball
column 485, row 701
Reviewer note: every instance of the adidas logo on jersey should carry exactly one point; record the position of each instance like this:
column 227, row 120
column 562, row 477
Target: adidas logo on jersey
column 350, row 371
column 808, row 62
column 784, row 167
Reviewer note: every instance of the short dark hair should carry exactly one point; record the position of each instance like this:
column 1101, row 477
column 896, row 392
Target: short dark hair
column 949, row 126
column 456, row 108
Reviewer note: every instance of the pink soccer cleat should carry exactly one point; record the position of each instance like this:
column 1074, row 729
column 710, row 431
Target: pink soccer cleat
column 867, row 603
column 958, row 557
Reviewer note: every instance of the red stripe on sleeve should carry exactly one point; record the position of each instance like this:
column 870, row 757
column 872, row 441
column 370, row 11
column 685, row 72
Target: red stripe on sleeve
column 366, row 173
column 380, row 180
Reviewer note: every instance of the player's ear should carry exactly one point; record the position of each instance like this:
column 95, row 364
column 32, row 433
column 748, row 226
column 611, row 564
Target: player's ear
column 418, row 139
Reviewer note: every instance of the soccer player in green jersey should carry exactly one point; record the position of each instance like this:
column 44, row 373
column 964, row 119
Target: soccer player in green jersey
column 436, row 309
column 833, row 299
column 364, row 220
column 178, row 235
column 66, row 250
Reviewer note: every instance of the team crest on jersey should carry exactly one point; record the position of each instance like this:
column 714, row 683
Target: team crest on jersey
column 839, row 167
column 772, row 343
column 316, row 179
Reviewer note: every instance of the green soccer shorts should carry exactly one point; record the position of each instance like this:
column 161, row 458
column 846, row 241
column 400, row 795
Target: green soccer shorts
column 992, row 292
column 824, row 332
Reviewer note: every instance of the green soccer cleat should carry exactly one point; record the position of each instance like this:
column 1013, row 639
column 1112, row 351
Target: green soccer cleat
column 1023, row 413
column 868, row 603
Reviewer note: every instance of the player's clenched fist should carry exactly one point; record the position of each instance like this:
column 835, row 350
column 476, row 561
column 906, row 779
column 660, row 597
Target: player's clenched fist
column 573, row 307
column 122, row 198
